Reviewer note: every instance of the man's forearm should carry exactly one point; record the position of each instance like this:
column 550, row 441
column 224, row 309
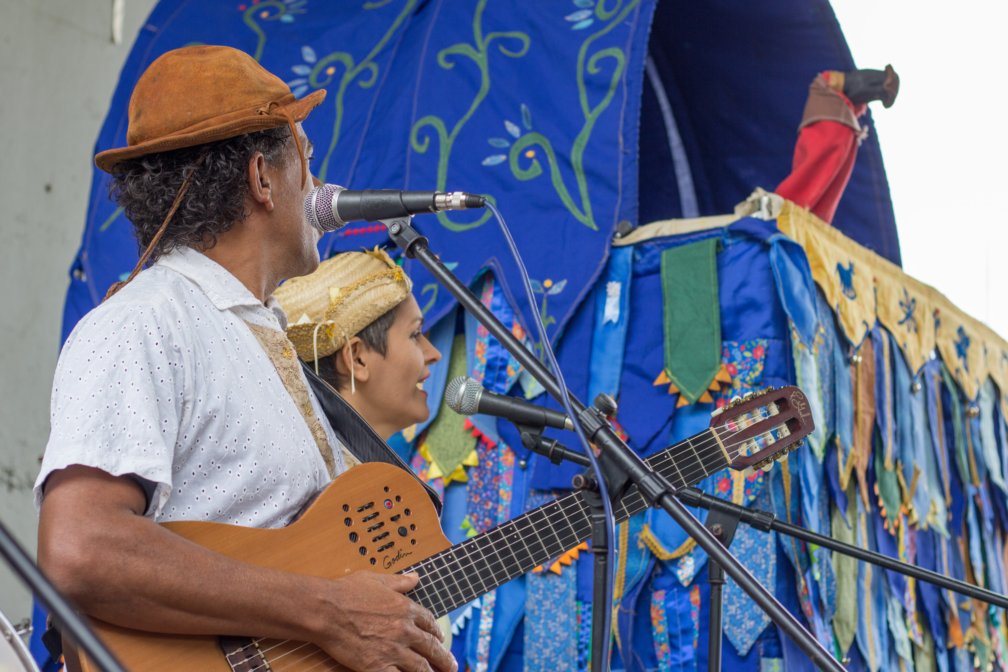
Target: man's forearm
column 132, row 572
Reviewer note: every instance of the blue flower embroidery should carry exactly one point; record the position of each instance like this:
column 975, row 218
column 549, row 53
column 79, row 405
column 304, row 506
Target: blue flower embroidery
column 584, row 16
column 515, row 132
column 301, row 85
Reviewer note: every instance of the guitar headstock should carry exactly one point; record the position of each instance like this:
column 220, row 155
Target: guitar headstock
column 760, row 427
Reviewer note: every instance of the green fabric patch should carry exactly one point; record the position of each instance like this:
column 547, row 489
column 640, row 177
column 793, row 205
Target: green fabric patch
column 845, row 619
column 692, row 316
column 924, row 654
column 448, row 441
column 888, row 485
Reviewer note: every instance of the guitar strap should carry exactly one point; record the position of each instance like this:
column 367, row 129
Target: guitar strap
column 358, row 436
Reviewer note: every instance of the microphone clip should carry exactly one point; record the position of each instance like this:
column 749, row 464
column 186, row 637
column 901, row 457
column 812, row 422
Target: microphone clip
column 552, row 449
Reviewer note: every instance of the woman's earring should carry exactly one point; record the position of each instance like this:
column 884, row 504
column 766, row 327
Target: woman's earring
column 353, row 378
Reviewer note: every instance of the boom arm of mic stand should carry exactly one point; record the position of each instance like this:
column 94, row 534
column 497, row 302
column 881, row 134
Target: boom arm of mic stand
column 766, row 521
column 611, row 447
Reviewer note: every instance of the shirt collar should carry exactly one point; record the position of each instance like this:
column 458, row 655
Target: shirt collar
column 223, row 289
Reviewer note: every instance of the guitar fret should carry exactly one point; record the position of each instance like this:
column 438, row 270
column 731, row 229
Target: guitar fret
column 471, row 592
column 450, row 559
column 429, row 583
column 679, row 473
column 496, row 558
column 689, row 444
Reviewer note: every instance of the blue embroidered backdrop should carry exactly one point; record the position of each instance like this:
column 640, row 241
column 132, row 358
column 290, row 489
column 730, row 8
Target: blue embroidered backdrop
column 536, row 104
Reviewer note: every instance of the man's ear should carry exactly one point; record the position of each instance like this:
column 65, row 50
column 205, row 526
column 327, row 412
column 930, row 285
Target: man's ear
column 258, row 181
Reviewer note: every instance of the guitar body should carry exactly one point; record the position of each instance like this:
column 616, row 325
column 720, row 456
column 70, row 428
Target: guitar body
column 373, row 517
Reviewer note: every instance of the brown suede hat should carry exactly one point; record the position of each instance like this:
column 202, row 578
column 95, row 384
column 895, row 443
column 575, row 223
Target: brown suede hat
column 200, row 94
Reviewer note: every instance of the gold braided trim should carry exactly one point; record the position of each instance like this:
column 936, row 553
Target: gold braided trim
column 281, row 353
column 341, row 293
column 655, row 545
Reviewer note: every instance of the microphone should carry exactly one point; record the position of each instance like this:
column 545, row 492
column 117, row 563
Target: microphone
column 329, row 207
column 465, row 396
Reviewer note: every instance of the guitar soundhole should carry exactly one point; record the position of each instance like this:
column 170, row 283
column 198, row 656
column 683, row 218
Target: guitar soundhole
column 378, row 532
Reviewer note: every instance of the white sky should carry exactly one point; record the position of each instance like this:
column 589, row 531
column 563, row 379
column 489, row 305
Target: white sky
column 944, row 141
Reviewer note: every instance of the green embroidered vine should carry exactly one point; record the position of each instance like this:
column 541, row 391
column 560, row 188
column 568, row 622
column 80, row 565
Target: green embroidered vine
column 478, row 53
column 546, row 289
column 432, row 289
column 111, row 218
column 324, row 69
column 590, row 65
column 262, row 9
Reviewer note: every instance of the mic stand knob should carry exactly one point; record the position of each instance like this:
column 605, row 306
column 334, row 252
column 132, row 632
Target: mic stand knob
column 606, row 405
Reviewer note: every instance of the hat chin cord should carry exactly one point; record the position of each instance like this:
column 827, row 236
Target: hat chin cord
column 285, row 113
column 315, row 355
column 116, row 286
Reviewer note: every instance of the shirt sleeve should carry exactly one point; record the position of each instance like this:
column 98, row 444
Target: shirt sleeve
column 117, row 400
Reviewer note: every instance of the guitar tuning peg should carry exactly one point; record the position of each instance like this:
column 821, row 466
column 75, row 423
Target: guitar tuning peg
column 735, row 401
column 717, row 411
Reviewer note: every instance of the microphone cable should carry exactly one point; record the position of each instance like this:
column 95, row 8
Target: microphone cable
column 568, row 407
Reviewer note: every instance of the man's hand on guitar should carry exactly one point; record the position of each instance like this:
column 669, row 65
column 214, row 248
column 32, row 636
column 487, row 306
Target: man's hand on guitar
column 374, row 626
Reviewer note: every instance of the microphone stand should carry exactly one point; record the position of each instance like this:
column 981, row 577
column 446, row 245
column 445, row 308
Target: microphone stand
column 723, row 519
column 69, row 620
column 620, row 465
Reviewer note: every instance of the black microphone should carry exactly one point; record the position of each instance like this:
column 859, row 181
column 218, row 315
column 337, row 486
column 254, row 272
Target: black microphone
column 466, row 397
column 329, row 207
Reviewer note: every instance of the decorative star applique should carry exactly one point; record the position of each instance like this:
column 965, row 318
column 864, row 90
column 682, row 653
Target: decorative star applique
column 564, row 560
column 458, row 474
column 721, row 379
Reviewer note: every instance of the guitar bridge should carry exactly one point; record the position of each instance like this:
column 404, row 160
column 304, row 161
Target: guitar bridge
column 243, row 654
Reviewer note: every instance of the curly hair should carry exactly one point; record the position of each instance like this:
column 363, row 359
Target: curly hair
column 146, row 187
column 374, row 336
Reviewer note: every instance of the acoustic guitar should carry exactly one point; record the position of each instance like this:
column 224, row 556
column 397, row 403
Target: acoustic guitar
column 378, row 517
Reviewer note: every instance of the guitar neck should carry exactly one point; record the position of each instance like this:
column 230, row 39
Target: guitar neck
column 476, row 566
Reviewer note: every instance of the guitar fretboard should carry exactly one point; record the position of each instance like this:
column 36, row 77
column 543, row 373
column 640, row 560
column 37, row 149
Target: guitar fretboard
column 476, row 566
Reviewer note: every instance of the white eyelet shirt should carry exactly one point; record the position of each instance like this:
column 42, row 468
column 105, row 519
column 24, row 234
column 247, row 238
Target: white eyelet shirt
column 166, row 382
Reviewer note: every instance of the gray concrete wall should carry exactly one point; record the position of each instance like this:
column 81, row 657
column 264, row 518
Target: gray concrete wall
column 58, row 69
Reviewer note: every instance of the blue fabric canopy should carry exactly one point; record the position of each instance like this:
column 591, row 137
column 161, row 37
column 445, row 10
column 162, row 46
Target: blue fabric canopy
column 544, row 106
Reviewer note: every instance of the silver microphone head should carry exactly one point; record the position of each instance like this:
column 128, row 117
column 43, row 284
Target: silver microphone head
column 320, row 208
column 462, row 395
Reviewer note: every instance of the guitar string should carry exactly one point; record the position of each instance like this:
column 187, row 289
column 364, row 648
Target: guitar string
column 706, row 448
column 271, row 664
column 662, row 460
column 709, row 446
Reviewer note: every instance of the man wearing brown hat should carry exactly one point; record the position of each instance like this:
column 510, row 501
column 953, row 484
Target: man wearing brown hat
column 179, row 398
